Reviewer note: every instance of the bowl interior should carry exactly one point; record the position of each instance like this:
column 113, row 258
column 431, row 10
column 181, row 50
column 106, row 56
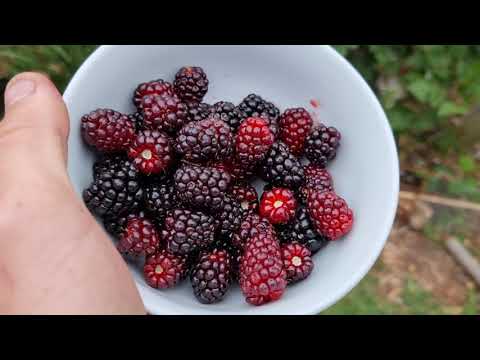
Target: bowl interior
column 365, row 171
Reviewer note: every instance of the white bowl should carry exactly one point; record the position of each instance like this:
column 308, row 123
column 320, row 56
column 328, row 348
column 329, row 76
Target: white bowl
column 365, row 171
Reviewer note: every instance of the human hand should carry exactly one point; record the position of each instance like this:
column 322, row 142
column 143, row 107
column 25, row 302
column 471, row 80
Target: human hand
column 54, row 257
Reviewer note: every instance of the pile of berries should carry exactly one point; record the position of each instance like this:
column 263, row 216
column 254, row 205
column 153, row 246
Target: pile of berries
column 173, row 184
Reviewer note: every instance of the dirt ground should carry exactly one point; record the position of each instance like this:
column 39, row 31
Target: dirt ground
column 409, row 254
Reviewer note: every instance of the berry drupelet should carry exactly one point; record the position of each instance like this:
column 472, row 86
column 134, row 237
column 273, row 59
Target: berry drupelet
column 295, row 125
column 164, row 270
column 282, row 168
column 211, row 277
column 108, row 130
column 191, row 84
column 186, row 231
column 204, row 140
column 116, row 189
column 201, row 187
column 151, row 152
column 322, row 144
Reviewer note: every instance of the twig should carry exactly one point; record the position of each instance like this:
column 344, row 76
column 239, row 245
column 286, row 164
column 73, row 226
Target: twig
column 434, row 199
column 464, row 258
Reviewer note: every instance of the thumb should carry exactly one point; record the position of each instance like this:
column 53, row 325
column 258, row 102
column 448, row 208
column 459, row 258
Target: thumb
column 35, row 128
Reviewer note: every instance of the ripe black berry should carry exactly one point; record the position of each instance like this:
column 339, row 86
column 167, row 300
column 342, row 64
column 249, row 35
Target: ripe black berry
column 201, row 187
column 211, row 277
column 254, row 106
column 186, row 231
column 115, row 190
column 191, row 84
column 160, row 198
column 302, row 230
column 204, row 140
column 229, row 217
column 322, row 144
column 227, row 112
column 282, row 168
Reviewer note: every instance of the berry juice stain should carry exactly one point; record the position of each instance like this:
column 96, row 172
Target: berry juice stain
column 315, row 103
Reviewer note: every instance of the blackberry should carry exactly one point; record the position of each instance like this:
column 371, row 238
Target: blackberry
column 246, row 195
column 156, row 87
column 254, row 106
column 234, row 252
column 322, row 144
column 227, row 112
column 252, row 142
column 137, row 120
column 211, row 277
column 295, row 125
column 107, row 130
column 116, row 225
column 282, row 168
column 330, row 214
column 164, row 112
column 262, row 276
column 204, row 140
column 107, row 162
column 115, row 190
column 316, row 178
column 201, row 187
column 164, row 270
column 251, row 226
column 278, row 205
column 186, row 231
column 151, row 152
column 297, row 262
column 198, row 112
column 229, row 218
column 237, row 170
column 301, row 229
column 191, row 84
column 139, row 238
column 159, row 199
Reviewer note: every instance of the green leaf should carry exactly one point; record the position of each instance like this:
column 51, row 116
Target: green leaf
column 427, row 91
column 467, row 164
column 467, row 188
column 449, row 108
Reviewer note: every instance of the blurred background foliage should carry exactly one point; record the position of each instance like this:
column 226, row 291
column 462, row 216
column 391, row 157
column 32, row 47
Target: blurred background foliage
column 431, row 95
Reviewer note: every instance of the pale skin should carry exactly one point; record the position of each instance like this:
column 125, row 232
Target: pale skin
column 54, row 257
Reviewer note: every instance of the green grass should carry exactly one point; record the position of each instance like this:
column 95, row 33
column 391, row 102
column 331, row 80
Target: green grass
column 364, row 300
column 58, row 61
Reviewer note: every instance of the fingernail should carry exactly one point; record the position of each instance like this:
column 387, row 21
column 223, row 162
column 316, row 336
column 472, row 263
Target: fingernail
column 18, row 90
